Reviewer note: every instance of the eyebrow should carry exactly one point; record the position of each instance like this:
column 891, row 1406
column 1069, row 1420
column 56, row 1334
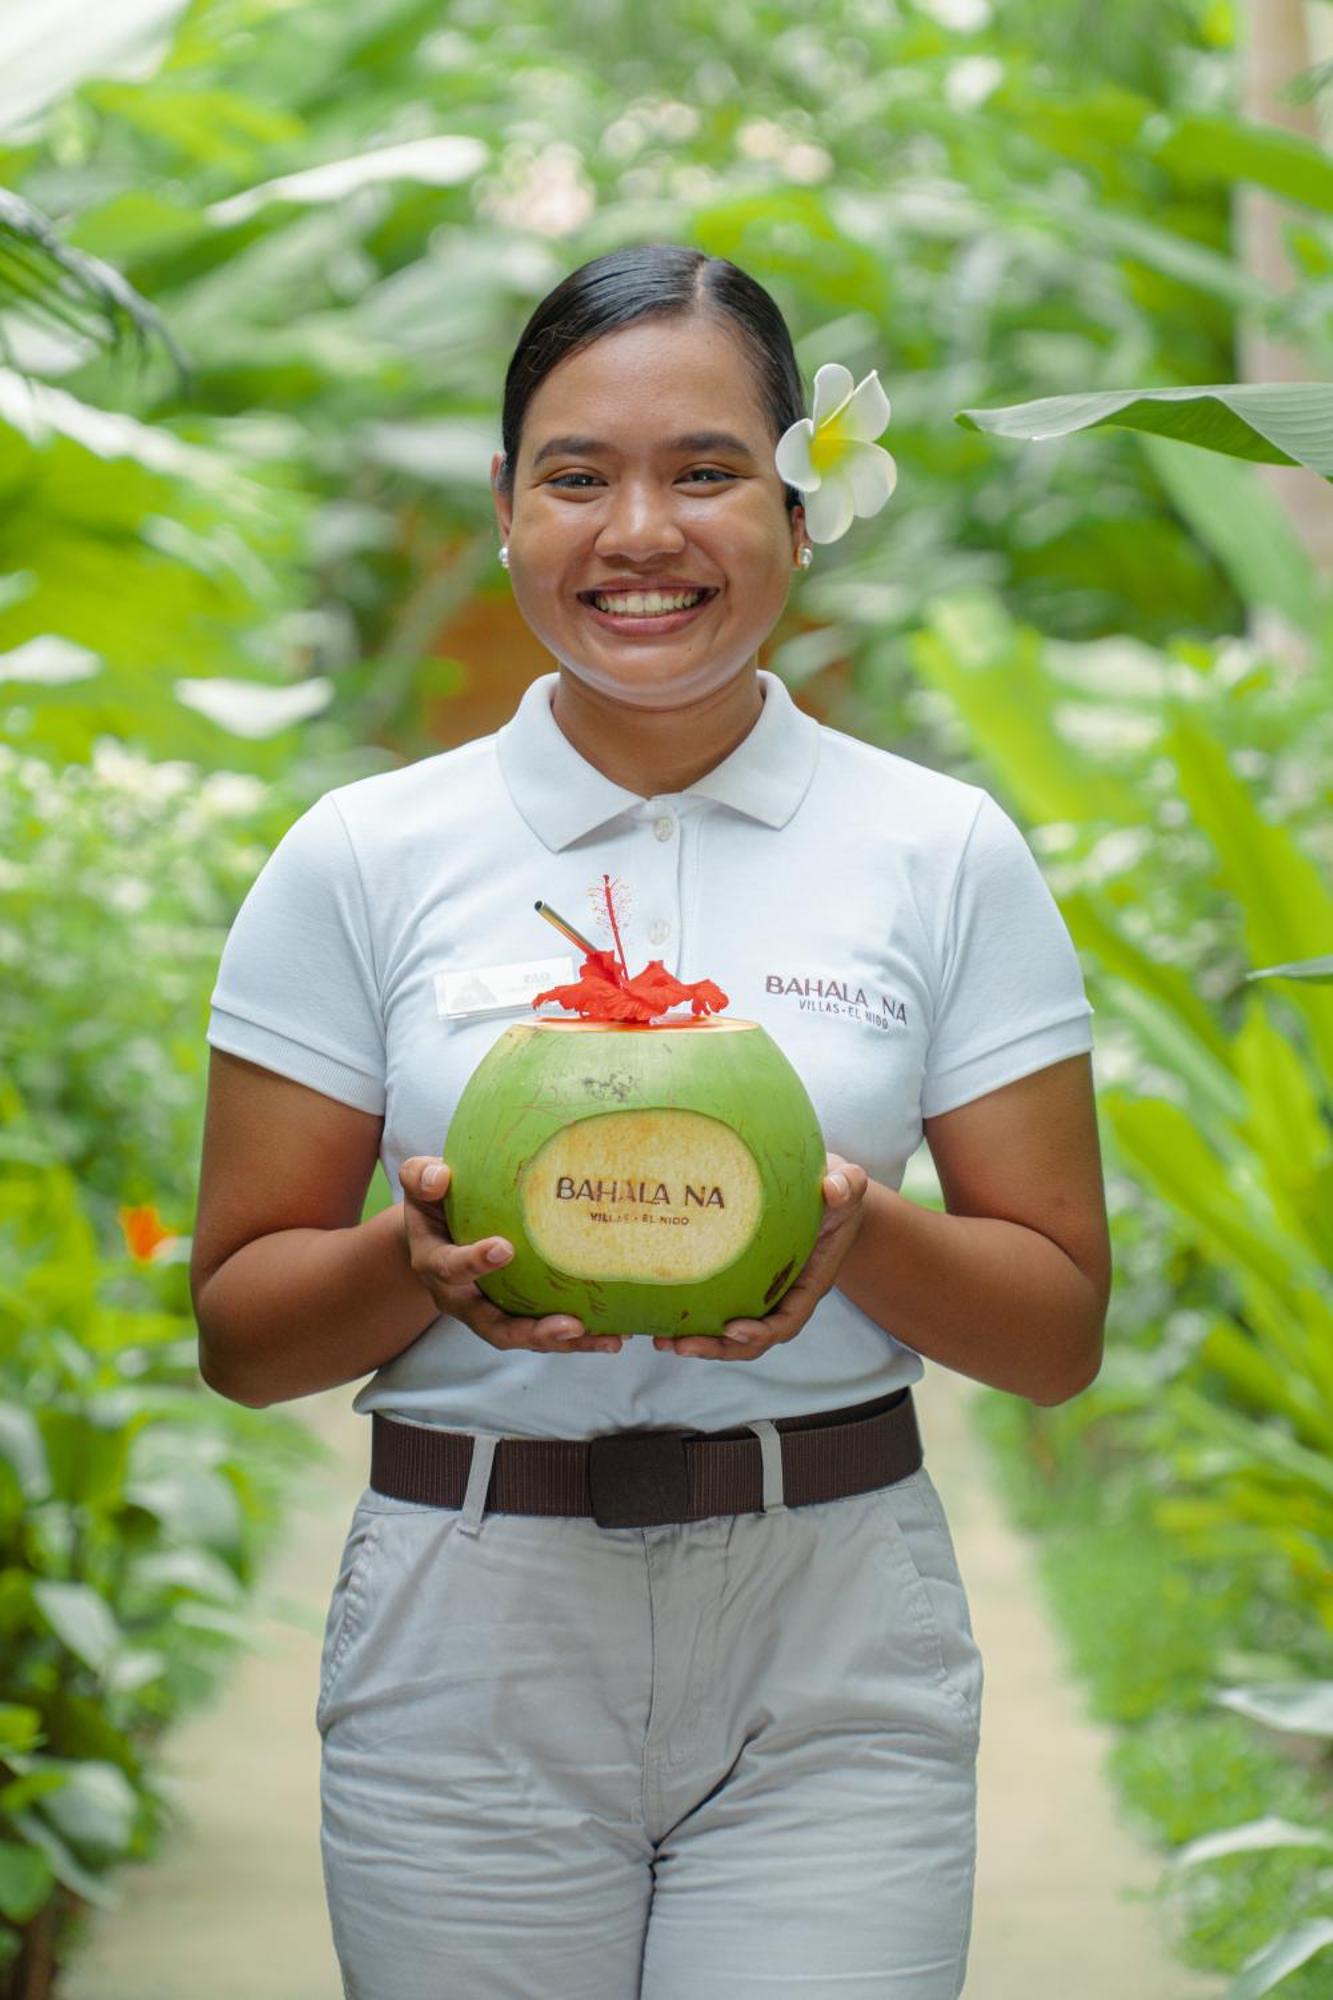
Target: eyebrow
column 587, row 447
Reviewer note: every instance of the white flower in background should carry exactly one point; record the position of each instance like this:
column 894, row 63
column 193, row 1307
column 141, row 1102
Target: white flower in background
column 799, row 158
column 831, row 457
column 761, row 139
column 119, row 769
column 546, row 191
column 255, row 708
column 231, row 794
column 808, row 164
column 970, row 81
column 49, row 658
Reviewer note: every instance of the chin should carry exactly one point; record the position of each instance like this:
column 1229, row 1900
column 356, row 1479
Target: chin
column 645, row 684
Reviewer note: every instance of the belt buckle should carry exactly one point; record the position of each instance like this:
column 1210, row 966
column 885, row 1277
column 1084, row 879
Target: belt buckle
column 638, row 1479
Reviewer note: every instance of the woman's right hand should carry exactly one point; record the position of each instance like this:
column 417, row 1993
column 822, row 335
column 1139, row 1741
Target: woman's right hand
column 449, row 1270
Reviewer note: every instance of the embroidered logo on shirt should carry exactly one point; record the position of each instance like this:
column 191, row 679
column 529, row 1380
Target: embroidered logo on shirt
column 835, row 996
column 492, row 989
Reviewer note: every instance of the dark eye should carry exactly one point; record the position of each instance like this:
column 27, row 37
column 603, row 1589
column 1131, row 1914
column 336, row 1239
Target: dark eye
column 708, row 472
column 566, row 477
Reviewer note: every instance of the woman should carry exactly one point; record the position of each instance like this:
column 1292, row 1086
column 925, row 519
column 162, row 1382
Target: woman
column 583, row 1745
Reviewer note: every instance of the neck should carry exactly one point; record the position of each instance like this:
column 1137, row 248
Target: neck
column 657, row 751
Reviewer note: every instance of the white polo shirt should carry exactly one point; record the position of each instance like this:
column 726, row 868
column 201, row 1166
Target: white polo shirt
column 886, row 924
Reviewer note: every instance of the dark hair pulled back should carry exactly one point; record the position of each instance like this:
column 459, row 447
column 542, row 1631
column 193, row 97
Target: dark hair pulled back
column 644, row 281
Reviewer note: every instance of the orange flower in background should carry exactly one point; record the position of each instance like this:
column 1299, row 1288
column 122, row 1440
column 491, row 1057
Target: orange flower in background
column 143, row 1230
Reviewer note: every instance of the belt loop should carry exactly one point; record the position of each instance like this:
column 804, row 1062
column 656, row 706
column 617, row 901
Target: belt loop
column 478, row 1481
column 770, row 1446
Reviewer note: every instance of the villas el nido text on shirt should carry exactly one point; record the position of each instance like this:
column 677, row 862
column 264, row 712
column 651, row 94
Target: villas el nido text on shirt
column 833, row 996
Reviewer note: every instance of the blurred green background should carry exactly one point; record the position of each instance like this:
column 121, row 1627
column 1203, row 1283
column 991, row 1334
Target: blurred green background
column 261, row 267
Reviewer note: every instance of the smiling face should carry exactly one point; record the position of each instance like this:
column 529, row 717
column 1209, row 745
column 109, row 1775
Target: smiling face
column 650, row 545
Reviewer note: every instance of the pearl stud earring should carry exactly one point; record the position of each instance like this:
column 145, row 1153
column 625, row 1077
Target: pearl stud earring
column 504, row 554
column 806, row 557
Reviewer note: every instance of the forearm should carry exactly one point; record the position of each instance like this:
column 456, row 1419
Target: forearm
column 990, row 1299
column 309, row 1309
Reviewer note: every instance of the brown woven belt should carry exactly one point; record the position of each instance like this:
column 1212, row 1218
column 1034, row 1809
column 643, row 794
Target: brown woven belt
column 647, row 1478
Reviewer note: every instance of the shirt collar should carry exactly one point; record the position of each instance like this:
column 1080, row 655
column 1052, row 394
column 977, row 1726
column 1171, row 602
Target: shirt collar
column 562, row 796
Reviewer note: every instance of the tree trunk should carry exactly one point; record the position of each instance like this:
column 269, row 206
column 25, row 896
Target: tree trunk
column 1275, row 49
column 35, row 1970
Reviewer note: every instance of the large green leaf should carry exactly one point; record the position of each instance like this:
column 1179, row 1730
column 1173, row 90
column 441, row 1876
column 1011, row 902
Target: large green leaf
column 1295, row 1325
column 992, row 671
column 20, row 1729
column 1163, row 1142
column 1274, row 423
column 199, row 1500
column 1254, row 1444
column 1100, row 227
column 45, row 280
column 1234, row 514
column 213, row 128
column 1266, row 1384
column 25, row 1881
column 1167, row 1043
column 1253, row 1837
column 22, row 1446
column 1198, row 146
column 1284, row 908
column 1318, row 969
column 147, row 552
column 64, row 1863
column 81, row 1618
column 94, row 1810
column 1270, row 1966
column 440, row 160
column 42, row 61
column 1091, row 919
column 1305, row 1708
column 1286, row 1125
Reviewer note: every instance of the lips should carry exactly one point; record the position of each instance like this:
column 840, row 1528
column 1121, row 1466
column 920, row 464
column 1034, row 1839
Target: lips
column 646, row 610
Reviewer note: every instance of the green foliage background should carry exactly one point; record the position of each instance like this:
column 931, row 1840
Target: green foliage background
column 222, row 590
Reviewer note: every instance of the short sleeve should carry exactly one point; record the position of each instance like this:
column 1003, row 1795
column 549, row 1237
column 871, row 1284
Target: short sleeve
column 296, row 989
column 1011, row 996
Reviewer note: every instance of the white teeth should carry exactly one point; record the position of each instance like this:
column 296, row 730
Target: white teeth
column 647, row 603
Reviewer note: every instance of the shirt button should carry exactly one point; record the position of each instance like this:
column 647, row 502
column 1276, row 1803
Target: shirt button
column 664, row 827
column 659, row 930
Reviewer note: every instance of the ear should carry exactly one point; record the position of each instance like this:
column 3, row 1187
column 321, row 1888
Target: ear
column 798, row 534
column 504, row 508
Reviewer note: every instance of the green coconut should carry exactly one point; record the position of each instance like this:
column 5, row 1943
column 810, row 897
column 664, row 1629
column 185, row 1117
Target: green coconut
column 656, row 1179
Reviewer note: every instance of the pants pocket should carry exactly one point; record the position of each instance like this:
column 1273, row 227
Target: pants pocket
column 920, row 1547
column 347, row 1606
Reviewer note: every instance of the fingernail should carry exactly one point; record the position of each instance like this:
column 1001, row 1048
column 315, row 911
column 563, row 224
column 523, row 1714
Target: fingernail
column 568, row 1332
column 497, row 1254
column 736, row 1336
column 839, row 1181
column 432, row 1177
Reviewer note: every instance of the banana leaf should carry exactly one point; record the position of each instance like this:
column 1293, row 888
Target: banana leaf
column 1272, row 423
column 1282, row 903
column 48, row 281
column 1318, row 969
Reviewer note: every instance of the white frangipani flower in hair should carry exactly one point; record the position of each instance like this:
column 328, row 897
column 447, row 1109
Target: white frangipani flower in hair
column 831, row 458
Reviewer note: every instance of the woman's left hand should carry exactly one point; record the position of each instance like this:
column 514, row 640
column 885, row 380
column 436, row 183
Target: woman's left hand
column 747, row 1339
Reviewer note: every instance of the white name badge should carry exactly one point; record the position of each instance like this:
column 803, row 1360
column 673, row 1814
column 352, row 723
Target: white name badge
column 491, row 989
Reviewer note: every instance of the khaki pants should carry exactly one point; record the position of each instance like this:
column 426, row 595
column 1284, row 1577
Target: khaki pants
column 729, row 1760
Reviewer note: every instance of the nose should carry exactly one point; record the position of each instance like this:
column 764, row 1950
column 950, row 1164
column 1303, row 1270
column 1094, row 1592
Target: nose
column 640, row 523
